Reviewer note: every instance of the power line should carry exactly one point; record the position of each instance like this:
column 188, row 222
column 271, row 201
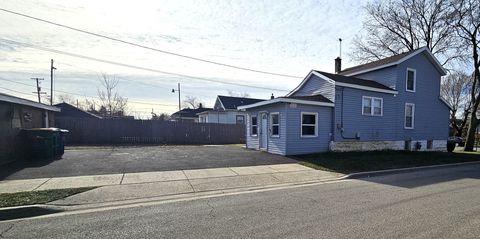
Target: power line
column 133, row 66
column 66, row 92
column 147, row 47
column 19, row 92
column 125, row 79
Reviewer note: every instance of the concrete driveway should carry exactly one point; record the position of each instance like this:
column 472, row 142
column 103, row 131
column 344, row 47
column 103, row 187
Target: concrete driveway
column 108, row 160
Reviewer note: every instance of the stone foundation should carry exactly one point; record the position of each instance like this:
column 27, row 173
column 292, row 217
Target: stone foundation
column 344, row 146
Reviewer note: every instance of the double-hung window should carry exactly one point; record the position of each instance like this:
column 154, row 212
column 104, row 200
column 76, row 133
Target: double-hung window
column 411, row 80
column 240, row 119
column 254, row 126
column 275, row 124
column 409, row 115
column 309, row 124
column 372, row 106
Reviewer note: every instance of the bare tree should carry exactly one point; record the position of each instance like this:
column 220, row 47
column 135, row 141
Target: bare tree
column 466, row 17
column 110, row 100
column 455, row 90
column 160, row 117
column 192, row 102
column 66, row 99
column 238, row 94
column 394, row 27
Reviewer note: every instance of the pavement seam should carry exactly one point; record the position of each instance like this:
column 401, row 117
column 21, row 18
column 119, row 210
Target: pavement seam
column 46, row 181
column 121, row 180
column 233, row 171
column 188, row 180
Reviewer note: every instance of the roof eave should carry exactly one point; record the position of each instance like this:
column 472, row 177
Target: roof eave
column 285, row 100
column 399, row 61
column 20, row 101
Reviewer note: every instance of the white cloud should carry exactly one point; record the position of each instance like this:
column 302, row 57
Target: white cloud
column 289, row 37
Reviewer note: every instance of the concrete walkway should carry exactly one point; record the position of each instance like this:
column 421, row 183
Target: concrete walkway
column 117, row 187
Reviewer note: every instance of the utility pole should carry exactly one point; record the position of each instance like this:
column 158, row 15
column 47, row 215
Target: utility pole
column 39, row 89
column 178, row 90
column 51, row 81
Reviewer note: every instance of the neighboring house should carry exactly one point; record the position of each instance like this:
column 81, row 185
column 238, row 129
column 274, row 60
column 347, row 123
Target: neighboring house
column 393, row 103
column 70, row 111
column 188, row 115
column 17, row 114
column 225, row 110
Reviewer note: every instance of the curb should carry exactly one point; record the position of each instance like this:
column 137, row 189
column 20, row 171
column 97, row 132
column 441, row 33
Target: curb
column 402, row 170
column 60, row 209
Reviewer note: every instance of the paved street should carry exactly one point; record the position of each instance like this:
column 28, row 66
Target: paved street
column 79, row 161
column 441, row 203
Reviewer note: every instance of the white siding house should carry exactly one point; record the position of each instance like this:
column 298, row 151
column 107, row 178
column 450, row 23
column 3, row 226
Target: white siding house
column 225, row 110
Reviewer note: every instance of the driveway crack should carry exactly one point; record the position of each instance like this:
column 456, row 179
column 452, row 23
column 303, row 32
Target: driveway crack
column 6, row 230
column 212, row 209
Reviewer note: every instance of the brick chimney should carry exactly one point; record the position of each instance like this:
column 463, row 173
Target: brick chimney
column 338, row 65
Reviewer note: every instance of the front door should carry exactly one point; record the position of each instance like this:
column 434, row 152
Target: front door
column 263, row 132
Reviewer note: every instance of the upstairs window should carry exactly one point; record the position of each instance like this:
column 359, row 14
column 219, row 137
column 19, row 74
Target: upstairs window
column 409, row 115
column 274, row 124
column 309, row 124
column 372, row 106
column 411, row 80
column 254, row 129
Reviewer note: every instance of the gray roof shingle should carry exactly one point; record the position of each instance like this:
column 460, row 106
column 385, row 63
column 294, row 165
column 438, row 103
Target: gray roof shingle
column 354, row 81
column 231, row 103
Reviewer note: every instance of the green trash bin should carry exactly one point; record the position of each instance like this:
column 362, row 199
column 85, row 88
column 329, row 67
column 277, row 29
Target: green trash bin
column 41, row 143
column 61, row 140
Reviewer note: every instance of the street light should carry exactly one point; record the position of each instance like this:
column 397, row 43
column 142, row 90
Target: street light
column 178, row 90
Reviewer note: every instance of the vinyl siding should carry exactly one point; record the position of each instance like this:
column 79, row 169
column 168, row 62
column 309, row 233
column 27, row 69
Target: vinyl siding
column 431, row 114
column 298, row 145
column 316, row 85
column 276, row 145
column 387, row 76
column 354, row 122
column 218, row 105
column 223, row 117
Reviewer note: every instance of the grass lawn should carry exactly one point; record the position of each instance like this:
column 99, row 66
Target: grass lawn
column 353, row 162
column 37, row 197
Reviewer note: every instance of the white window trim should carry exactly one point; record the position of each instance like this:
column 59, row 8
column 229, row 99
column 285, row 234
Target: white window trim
column 371, row 105
column 271, row 125
column 236, row 119
column 414, row 80
column 405, row 116
column 316, row 125
column 251, row 125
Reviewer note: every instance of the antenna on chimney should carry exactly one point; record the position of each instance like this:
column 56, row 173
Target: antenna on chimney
column 340, row 40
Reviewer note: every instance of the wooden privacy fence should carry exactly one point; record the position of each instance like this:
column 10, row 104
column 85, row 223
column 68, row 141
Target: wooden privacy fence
column 125, row 131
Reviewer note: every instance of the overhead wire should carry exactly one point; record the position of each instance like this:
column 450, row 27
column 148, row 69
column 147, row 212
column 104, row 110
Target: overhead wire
column 133, row 66
column 146, row 47
column 67, row 92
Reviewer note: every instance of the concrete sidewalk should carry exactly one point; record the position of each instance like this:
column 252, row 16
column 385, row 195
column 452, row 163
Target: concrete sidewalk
column 117, row 187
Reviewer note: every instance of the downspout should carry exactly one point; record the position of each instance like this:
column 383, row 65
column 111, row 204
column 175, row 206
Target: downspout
column 341, row 122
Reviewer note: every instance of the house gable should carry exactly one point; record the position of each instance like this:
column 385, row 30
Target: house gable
column 315, row 84
column 218, row 104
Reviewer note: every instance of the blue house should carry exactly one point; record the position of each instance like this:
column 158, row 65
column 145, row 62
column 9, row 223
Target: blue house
column 393, row 103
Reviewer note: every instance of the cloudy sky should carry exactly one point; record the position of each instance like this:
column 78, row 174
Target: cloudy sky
column 284, row 37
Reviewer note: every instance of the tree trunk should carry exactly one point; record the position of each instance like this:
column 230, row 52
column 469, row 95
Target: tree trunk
column 472, row 128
